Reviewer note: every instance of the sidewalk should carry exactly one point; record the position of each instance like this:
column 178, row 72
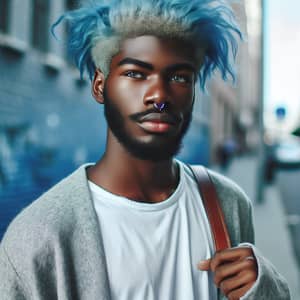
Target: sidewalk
column 272, row 236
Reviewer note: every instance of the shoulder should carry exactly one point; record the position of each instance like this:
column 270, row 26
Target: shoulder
column 236, row 207
column 228, row 190
column 234, row 200
column 53, row 212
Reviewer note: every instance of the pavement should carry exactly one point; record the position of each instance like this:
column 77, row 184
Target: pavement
column 270, row 223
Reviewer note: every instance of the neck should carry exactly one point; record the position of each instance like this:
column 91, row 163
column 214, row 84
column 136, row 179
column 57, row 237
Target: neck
column 146, row 181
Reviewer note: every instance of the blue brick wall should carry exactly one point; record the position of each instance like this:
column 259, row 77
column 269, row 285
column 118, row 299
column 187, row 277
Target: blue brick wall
column 49, row 124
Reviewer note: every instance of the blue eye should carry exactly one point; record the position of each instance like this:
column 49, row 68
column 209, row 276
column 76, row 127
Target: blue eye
column 134, row 74
column 180, row 78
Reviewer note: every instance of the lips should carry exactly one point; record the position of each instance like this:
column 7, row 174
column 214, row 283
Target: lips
column 158, row 122
column 159, row 118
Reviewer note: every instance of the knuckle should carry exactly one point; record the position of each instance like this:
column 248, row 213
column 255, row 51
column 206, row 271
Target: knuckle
column 233, row 296
column 246, row 250
column 217, row 258
column 224, row 287
column 249, row 251
column 216, row 280
column 218, row 255
column 253, row 276
column 219, row 273
column 250, row 276
column 249, row 263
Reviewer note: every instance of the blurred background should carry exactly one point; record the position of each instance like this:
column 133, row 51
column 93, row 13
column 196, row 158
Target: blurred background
column 49, row 123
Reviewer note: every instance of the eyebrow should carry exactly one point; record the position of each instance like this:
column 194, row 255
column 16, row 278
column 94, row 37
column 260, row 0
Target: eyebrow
column 174, row 67
column 182, row 66
column 133, row 61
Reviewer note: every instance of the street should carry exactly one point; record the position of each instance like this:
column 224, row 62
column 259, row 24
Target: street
column 289, row 186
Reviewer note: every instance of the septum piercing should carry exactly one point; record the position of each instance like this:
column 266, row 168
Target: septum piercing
column 159, row 106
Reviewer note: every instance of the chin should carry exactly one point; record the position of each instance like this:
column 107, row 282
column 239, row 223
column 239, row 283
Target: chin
column 153, row 151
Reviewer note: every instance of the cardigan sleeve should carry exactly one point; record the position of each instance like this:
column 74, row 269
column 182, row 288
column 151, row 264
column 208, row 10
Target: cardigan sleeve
column 11, row 285
column 269, row 284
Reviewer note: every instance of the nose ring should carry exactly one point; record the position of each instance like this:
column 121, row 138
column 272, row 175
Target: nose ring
column 159, row 106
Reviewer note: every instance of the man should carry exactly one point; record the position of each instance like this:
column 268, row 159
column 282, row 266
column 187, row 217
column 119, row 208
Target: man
column 133, row 226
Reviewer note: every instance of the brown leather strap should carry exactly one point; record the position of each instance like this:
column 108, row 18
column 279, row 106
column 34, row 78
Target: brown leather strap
column 212, row 206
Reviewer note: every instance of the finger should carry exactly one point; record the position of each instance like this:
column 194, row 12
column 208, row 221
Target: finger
column 229, row 255
column 204, row 265
column 244, row 278
column 238, row 293
column 233, row 268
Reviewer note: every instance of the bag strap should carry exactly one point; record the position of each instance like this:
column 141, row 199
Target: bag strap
column 212, row 206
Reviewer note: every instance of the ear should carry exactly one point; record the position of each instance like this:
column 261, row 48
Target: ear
column 98, row 86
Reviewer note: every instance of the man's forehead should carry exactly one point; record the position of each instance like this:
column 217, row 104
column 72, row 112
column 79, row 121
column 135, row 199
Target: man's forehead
column 152, row 49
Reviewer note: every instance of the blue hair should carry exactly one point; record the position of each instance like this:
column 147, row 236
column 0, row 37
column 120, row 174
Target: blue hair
column 210, row 24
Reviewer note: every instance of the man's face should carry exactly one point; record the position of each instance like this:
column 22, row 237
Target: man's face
column 146, row 71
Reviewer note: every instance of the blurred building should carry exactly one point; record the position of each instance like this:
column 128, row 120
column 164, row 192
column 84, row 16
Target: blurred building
column 234, row 108
column 45, row 109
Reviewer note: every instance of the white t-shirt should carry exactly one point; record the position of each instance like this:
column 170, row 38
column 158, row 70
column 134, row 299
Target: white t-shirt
column 152, row 250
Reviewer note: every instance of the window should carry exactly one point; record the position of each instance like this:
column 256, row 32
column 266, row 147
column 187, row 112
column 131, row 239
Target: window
column 4, row 15
column 40, row 25
column 69, row 5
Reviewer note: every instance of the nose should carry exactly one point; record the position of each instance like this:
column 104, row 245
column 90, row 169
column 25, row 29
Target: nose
column 157, row 92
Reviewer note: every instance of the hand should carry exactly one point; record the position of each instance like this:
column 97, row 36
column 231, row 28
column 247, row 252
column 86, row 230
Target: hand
column 235, row 271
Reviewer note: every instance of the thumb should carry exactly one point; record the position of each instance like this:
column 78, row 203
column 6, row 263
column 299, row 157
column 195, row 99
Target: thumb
column 204, row 265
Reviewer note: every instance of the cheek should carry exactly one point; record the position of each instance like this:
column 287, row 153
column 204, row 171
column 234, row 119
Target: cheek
column 184, row 97
column 126, row 97
column 125, row 92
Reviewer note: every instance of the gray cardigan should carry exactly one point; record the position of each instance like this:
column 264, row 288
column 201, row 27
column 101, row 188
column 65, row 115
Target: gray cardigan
column 53, row 249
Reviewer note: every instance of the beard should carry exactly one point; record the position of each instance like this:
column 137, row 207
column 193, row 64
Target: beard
column 160, row 148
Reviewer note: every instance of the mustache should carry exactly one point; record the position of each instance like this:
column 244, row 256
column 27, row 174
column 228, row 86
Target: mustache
column 137, row 117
